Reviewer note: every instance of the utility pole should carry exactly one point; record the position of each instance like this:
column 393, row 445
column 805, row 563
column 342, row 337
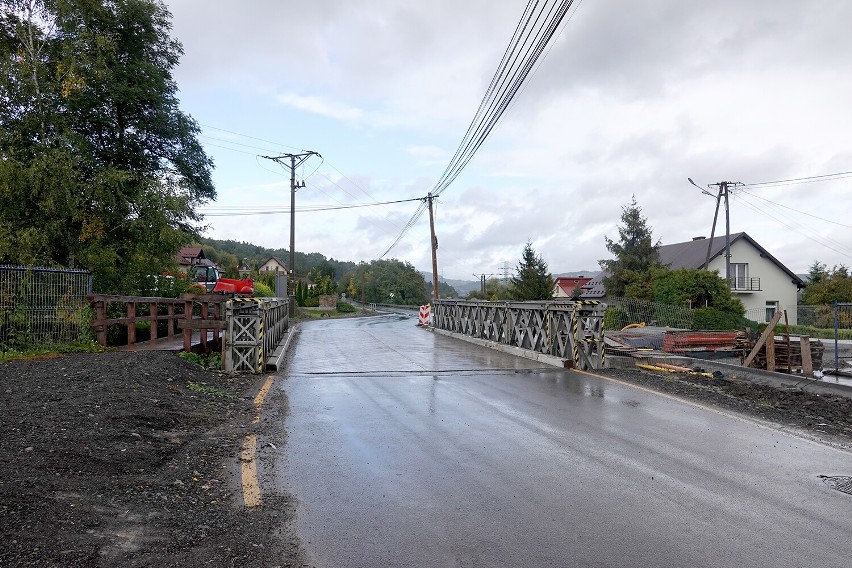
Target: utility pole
column 296, row 160
column 482, row 279
column 435, row 295
column 723, row 192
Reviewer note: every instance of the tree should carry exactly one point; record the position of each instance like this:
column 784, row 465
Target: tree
column 386, row 282
column 826, row 285
column 98, row 166
column 494, row 290
column 635, row 253
column 533, row 281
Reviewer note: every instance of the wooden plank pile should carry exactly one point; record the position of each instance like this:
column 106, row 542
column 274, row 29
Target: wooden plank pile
column 785, row 353
column 688, row 341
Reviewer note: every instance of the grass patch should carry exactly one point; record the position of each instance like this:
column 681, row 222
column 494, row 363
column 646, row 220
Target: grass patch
column 50, row 351
column 202, row 388
column 211, row 361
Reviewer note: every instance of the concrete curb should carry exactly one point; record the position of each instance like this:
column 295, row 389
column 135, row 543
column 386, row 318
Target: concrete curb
column 511, row 350
column 273, row 362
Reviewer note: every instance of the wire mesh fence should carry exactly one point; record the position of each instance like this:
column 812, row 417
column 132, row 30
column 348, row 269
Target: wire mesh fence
column 42, row 306
column 622, row 312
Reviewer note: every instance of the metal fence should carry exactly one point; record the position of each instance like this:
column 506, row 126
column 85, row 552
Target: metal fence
column 571, row 329
column 255, row 328
column 42, row 306
column 626, row 311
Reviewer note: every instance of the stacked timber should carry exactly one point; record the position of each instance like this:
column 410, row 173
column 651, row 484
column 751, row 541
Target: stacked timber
column 689, row 341
column 787, row 355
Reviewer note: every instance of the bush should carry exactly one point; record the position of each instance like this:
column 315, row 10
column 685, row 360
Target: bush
column 345, row 307
column 713, row 319
column 311, row 302
column 262, row 290
column 614, row 319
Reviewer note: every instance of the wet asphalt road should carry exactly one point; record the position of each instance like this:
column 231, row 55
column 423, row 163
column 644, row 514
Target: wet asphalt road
column 411, row 449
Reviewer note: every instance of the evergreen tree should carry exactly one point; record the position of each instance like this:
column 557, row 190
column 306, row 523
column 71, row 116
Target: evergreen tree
column 533, row 281
column 635, row 254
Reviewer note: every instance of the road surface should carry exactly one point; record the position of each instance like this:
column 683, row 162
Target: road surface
column 410, row 449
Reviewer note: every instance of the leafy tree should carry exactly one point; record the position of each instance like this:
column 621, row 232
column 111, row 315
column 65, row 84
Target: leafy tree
column 98, row 166
column 826, row 285
column 386, row 282
column 494, row 290
column 533, row 281
column 444, row 290
column 635, row 253
column 695, row 289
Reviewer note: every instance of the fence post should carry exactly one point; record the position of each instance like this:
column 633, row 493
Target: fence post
column 154, row 311
column 100, row 314
column 131, row 323
column 187, row 331
column 170, row 328
column 836, row 356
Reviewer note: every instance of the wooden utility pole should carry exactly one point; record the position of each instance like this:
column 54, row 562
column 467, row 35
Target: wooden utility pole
column 435, row 295
column 296, row 160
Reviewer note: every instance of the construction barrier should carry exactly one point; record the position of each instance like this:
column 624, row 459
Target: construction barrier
column 570, row 329
column 425, row 317
column 255, row 328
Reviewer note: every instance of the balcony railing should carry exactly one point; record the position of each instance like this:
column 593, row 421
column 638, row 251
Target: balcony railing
column 745, row 284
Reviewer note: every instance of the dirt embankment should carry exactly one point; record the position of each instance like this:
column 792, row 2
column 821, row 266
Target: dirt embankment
column 130, row 459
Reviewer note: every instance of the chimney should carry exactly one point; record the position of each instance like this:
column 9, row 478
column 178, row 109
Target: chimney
column 698, row 238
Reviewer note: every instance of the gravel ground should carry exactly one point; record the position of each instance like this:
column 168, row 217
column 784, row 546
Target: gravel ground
column 131, row 459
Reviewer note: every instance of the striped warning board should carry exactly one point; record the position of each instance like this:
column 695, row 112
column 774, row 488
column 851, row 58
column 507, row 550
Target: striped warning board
column 425, row 315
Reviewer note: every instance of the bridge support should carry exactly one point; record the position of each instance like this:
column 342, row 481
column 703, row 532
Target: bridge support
column 570, row 330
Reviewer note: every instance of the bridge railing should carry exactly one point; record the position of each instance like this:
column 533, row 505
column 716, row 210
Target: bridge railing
column 255, row 327
column 570, row 329
column 190, row 312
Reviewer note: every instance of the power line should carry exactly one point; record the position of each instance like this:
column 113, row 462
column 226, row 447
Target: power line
column 239, row 211
column 794, row 181
column 536, row 27
column 795, row 210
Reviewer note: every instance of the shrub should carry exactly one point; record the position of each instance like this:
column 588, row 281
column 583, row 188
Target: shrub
column 345, row 307
column 711, row 318
column 262, row 290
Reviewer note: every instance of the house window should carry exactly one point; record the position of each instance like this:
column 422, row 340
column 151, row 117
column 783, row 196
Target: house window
column 739, row 276
column 771, row 308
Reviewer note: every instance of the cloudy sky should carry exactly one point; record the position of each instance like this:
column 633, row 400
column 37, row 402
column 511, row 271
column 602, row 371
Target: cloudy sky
column 632, row 98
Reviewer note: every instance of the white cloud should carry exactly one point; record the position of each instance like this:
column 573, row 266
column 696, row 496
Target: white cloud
column 632, row 99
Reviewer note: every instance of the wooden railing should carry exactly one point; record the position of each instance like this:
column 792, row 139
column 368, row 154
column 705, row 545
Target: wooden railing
column 185, row 314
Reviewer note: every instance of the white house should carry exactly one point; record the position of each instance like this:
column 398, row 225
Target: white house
column 273, row 264
column 758, row 279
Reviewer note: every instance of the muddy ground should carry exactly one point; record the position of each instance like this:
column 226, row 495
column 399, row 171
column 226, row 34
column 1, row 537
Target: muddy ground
column 131, row 459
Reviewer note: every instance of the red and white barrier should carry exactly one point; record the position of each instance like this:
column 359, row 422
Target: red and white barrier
column 425, row 315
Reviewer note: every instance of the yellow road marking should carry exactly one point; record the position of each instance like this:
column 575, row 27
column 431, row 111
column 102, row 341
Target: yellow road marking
column 251, row 489
column 248, row 466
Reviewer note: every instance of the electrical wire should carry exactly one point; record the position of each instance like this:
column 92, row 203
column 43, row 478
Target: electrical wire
column 795, row 181
column 802, row 230
column 213, row 211
column 792, row 209
column 537, row 26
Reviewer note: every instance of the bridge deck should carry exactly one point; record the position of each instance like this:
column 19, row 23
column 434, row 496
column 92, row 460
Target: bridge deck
column 173, row 343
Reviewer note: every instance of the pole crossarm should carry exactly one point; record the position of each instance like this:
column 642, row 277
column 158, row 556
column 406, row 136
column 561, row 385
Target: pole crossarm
column 296, row 160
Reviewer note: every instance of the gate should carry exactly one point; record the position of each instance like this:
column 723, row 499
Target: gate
column 571, row 330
